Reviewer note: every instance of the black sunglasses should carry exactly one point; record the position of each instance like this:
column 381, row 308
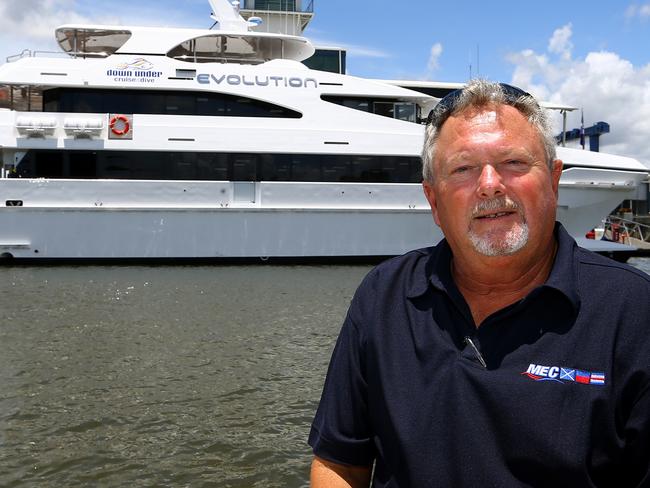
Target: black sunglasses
column 448, row 103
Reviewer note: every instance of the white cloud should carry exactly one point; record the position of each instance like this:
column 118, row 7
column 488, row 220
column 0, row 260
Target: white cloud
column 365, row 52
column 352, row 49
column 36, row 19
column 30, row 24
column 560, row 42
column 608, row 87
column 641, row 11
column 434, row 56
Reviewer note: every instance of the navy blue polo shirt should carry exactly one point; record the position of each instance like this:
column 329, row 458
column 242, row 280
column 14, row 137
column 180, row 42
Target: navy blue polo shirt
column 563, row 398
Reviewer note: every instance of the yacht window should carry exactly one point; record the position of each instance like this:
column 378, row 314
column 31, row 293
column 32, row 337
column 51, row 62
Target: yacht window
column 212, row 166
column 83, row 164
column 338, row 170
column 150, row 166
column 210, row 105
column 244, row 167
column 91, row 42
column 5, row 96
column 115, row 164
column 218, row 47
column 276, row 5
column 209, row 48
column 51, row 100
column 179, row 104
column 331, row 60
column 87, row 100
column 158, row 165
column 49, row 164
column 25, row 98
column 306, row 167
column 406, row 111
column 184, row 166
column 394, row 109
column 363, row 105
column 385, row 109
column 275, row 167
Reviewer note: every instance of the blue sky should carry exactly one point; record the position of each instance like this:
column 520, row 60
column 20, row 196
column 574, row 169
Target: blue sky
column 594, row 55
column 406, row 34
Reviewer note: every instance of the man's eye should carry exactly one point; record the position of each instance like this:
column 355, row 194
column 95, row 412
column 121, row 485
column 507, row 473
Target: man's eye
column 461, row 169
column 515, row 163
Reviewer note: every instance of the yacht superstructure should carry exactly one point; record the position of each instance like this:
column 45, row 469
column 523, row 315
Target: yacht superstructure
column 146, row 142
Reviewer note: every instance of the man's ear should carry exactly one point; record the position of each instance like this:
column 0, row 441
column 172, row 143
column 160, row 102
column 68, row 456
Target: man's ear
column 430, row 195
column 556, row 173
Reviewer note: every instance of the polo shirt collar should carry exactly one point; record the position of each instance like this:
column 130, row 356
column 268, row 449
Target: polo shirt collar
column 434, row 270
column 563, row 276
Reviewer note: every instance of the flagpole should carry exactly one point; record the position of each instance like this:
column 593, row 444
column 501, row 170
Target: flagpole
column 582, row 129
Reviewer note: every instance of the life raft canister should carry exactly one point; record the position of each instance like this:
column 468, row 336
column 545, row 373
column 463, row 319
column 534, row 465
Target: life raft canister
column 120, row 125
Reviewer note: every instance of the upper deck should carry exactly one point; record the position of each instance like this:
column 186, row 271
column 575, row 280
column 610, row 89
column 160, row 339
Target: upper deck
column 192, row 45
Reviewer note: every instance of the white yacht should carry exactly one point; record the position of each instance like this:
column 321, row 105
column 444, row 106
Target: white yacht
column 140, row 142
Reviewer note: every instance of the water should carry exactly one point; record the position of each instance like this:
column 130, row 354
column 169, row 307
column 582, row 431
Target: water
column 165, row 376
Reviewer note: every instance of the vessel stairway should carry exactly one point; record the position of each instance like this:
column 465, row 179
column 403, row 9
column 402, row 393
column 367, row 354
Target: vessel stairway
column 627, row 231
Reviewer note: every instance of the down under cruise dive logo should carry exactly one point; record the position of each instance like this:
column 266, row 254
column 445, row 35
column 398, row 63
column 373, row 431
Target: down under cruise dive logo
column 562, row 374
column 138, row 70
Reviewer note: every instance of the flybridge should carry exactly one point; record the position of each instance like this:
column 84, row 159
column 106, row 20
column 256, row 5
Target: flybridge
column 257, row 80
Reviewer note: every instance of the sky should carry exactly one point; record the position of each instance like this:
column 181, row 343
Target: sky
column 594, row 55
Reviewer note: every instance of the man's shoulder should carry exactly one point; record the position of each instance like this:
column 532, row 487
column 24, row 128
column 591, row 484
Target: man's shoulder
column 592, row 262
column 409, row 265
column 405, row 262
column 405, row 274
column 596, row 270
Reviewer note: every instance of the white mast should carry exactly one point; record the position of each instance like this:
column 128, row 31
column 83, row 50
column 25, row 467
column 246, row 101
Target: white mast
column 228, row 16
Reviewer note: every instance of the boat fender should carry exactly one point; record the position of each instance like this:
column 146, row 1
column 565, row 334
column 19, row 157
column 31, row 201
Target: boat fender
column 115, row 129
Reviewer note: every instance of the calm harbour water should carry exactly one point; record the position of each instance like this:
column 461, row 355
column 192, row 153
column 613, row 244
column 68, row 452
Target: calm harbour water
column 184, row 376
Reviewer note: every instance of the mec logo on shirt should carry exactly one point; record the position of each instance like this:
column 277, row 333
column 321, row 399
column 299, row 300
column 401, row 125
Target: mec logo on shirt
column 562, row 374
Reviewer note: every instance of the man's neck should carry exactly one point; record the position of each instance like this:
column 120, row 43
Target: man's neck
column 489, row 284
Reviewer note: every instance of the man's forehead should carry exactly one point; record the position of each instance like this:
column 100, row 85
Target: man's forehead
column 491, row 118
column 487, row 117
column 489, row 114
column 500, row 128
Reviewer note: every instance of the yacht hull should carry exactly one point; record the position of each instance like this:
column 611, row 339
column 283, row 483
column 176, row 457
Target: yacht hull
column 120, row 220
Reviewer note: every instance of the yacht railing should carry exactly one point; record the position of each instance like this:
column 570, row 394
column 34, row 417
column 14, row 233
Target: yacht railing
column 627, row 231
column 219, row 59
column 28, row 53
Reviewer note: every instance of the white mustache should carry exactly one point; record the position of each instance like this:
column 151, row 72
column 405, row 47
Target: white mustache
column 498, row 204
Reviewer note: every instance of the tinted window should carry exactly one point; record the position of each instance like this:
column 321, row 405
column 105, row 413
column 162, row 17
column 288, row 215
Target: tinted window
column 327, row 60
column 80, row 100
column 48, row 164
column 157, row 165
column 244, row 167
column 392, row 108
column 82, row 164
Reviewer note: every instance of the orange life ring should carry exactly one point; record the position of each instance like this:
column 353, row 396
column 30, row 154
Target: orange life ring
column 125, row 122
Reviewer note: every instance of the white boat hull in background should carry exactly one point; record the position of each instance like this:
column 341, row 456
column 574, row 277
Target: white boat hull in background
column 194, row 219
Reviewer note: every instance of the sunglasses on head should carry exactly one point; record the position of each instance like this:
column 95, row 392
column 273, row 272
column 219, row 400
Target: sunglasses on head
column 448, row 103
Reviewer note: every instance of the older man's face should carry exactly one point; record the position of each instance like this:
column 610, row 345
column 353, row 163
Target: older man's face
column 493, row 191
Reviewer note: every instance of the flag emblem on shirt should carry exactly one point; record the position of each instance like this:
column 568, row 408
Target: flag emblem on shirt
column 597, row 379
column 568, row 374
column 562, row 374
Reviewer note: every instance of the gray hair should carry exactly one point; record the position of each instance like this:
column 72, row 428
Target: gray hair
column 480, row 93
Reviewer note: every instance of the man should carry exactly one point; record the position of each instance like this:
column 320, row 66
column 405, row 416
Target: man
column 504, row 356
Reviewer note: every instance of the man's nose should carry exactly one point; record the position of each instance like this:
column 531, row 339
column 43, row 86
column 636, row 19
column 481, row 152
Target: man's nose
column 489, row 182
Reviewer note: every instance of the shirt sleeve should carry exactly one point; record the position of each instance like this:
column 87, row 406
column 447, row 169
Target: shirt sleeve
column 633, row 406
column 637, row 430
column 341, row 430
